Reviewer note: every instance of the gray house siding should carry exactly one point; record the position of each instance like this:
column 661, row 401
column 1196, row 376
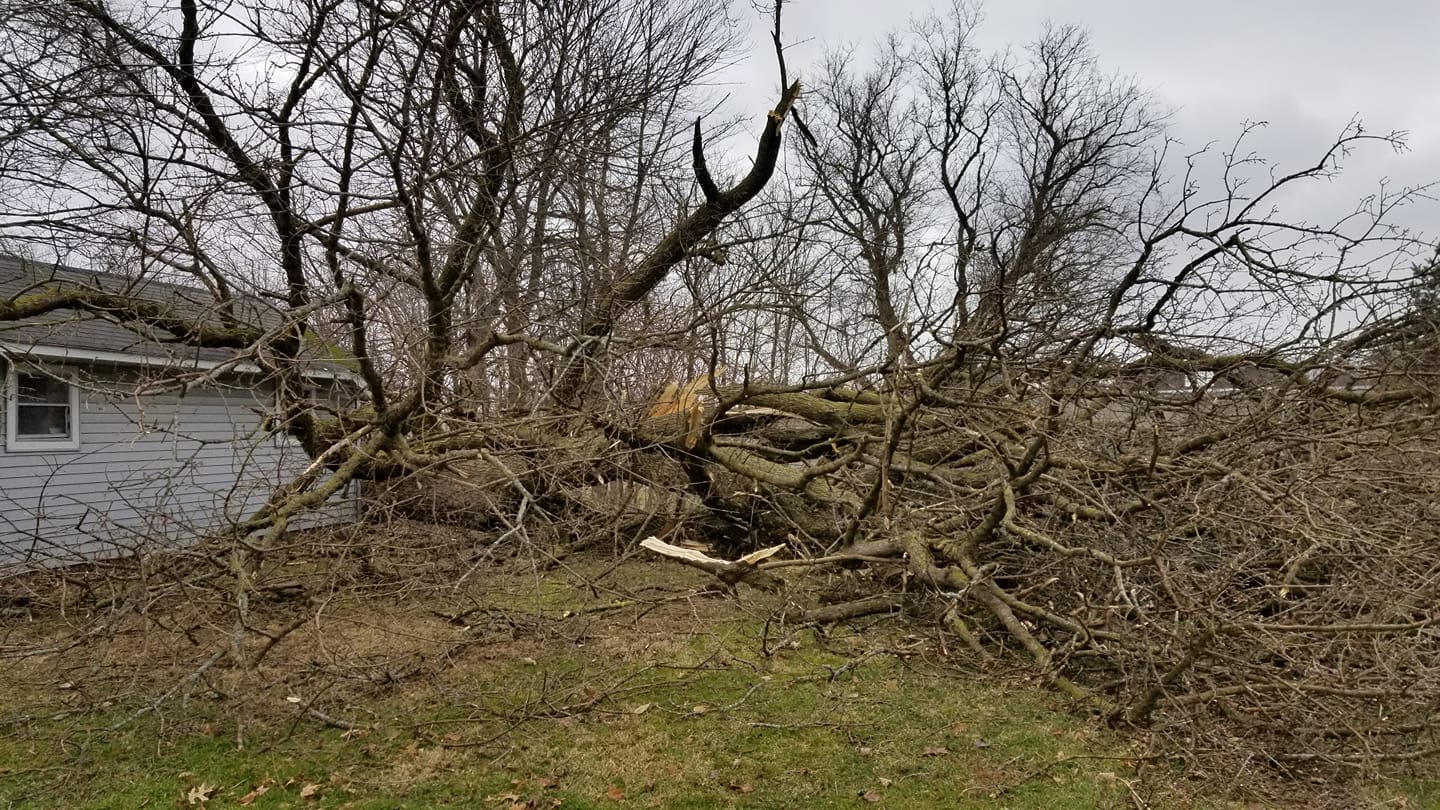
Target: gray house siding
column 152, row 471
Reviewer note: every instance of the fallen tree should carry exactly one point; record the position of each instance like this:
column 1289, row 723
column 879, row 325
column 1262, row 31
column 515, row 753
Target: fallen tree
column 1174, row 448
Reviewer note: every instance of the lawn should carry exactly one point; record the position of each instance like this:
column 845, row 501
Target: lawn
column 593, row 684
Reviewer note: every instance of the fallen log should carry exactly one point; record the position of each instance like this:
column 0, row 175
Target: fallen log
column 869, row 606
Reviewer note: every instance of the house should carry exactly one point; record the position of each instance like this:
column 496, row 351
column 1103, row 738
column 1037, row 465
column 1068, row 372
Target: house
column 116, row 442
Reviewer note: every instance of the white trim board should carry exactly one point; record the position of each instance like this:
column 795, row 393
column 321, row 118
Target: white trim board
column 64, row 354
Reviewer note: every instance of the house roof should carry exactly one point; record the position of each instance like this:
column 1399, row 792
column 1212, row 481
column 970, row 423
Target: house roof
column 66, row 334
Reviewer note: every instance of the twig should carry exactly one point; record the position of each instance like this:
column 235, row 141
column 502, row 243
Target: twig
column 187, row 680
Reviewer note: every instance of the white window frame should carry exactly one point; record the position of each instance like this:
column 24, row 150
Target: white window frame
column 19, row 444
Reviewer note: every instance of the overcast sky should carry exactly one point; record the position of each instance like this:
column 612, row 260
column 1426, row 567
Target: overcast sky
column 1304, row 66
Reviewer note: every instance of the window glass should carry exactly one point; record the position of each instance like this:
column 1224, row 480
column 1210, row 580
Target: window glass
column 42, row 407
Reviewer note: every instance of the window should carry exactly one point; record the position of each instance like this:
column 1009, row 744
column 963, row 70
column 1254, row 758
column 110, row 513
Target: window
column 42, row 411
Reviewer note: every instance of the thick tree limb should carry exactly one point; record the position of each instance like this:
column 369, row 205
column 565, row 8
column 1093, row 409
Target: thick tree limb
column 731, row 573
column 676, row 245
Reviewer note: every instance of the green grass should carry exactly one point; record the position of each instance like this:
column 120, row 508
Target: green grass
column 602, row 722
column 676, row 704
column 783, row 737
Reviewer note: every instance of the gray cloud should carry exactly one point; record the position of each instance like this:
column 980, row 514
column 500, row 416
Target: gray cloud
column 1307, row 67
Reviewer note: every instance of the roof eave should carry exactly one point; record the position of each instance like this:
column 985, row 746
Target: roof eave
column 72, row 355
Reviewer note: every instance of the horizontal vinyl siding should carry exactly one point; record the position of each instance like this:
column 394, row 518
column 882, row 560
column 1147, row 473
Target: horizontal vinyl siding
column 151, row 472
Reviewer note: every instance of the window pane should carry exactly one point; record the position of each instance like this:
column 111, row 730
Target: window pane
column 38, row 389
column 42, row 421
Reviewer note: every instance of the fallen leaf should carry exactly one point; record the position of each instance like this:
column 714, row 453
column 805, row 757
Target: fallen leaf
column 256, row 792
column 866, row 751
column 642, row 708
column 200, row 793
column 958, row 728
column 871, row 796
column 699, row 708
column 310, row 791
column 741, row 787
column 981, row 742
column 886, row 782
column 615, row 794
column 935, row 751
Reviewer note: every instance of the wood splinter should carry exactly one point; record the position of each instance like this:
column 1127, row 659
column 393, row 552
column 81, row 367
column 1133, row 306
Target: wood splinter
column 746, row 569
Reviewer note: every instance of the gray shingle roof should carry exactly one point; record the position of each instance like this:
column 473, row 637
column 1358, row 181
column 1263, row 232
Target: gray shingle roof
column 85, row 332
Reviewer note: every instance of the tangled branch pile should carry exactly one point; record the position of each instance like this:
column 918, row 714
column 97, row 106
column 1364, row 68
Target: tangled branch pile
column 1254, row 560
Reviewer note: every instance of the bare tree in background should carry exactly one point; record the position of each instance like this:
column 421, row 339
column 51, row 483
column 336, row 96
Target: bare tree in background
column 867, row 164
column 496, row 177
column 1042, row 162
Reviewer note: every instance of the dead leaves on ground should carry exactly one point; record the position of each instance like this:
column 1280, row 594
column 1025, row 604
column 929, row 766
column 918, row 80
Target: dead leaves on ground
column 199, row 795
column 528, row 797
column 256, row 792
column 736, row 786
